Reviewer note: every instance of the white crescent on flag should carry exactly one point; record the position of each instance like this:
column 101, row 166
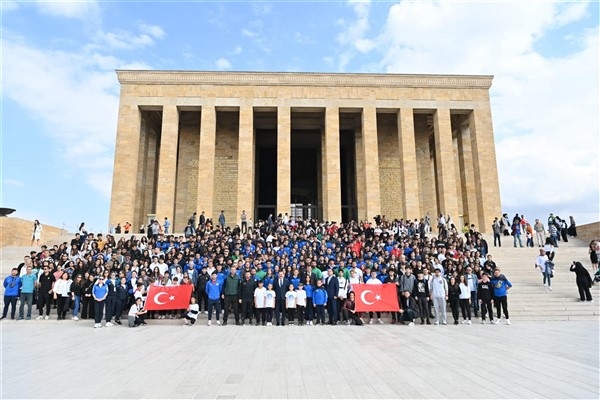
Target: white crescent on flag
column 157, row 296
column 362, row 298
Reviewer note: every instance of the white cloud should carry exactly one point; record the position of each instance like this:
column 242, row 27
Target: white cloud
column 12, row 182
column 249, row 33
column 125, row 40
column 303, row 39
column 352, row 35
column 75, row 95
column 8, row 5
column 545, row 107
column 82, row 9
column 223, row 63
column 237, row 50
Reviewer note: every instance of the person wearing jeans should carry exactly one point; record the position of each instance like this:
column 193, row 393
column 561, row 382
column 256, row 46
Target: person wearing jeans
column 545, row 265
column 27, row 287
column 99, row 293
column 12, row 284
column 473, row 282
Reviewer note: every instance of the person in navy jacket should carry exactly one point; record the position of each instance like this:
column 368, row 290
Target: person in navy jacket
column 280, row 286
column 333, row 288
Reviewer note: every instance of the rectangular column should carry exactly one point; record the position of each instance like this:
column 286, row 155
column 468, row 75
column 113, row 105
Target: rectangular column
column 444, row 157
column 467, row 182
column 206, row 162
column 332, row 189
column 127, row 148
column 245, row 189
column 408, row 164
column 371, row 159
column 485, row 167
column 284, row 160
column 361, row 192
column 167, row 166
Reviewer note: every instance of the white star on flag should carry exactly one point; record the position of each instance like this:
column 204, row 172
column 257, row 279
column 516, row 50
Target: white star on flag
column 377, row 297
column 172, row 298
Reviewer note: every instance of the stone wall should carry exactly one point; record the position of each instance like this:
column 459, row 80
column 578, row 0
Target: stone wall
column 18, row 232
column 425, row 167
column 186, row 192
column 589, row 232
column 389, row 166
column 226, row 167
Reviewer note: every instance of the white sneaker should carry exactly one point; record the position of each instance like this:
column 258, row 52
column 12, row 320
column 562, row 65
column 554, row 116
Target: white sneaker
column 218, row 322
column 371, row 321
column 436, row 323
column 379, row 321
column 545, row 284
column 206, row 312
column 411, row 324
column 209, row 323
column 482, row 322
column 508, row 322
column 40, row 317
column 75, row 318
column 494, row 322
column 444, row 323
column 464, row 322
column 97, row 325
column 550, row 288
column 469, row 322
column 109, row 324
column 46, row 317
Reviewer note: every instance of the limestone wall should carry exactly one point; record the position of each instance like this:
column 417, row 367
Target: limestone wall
column 589, row 232
column 226, row 168
column 389, row 166
column 18, row 232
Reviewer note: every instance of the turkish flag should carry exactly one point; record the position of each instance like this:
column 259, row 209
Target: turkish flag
column 376, row 297
column 168, row 297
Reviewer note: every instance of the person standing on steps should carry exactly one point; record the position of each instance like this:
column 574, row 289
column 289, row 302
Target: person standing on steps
column 485, row 294
column 497, row 229
column 244, row 220
column 584, row 281
column 501, row 287
column 12, row 284
column 37, row 233
column 545, row 265
column 438, row 287
column 222, row 219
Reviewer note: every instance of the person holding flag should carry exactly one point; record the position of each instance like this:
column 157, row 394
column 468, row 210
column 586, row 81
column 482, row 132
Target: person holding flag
column 373, row 280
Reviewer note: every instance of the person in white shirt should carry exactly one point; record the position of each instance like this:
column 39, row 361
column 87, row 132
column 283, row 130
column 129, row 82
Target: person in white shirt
column 545, row 265
column 62, row 294
column 374, row 281
column 259, row 303
column 465, row 299
column 300, row 303
column 270, row 303
column 290, row 304
column 135, row 312
column 193, row 310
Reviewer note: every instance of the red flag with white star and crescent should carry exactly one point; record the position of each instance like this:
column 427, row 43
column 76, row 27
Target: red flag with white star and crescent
column 376, row 297
column 168, row 297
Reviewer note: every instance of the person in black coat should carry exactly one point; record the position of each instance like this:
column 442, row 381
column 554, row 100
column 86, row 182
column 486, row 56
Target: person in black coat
column 584, row 281
column 280, row 286
column 332, row 286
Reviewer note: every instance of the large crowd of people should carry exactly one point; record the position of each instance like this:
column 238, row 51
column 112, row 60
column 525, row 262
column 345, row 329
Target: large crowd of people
column 282, row 270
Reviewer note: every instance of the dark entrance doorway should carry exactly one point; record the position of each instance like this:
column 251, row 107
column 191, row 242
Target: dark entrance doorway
column 306, row 167
column 348, row 176
column 266, row 174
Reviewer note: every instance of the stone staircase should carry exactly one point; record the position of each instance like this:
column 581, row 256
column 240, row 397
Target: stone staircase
column 528, row 299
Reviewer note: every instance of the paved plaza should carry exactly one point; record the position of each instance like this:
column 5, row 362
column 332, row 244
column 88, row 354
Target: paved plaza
column 67, row 359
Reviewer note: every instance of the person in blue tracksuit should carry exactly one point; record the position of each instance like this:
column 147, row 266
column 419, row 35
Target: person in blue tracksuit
column 214, row 289
column 501, row 287
column 320, row 300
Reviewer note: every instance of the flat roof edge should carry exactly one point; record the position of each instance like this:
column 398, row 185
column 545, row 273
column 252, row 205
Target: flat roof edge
column 155, row 77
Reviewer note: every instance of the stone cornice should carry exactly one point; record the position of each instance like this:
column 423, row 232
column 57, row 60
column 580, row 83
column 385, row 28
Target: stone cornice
column 141, row 77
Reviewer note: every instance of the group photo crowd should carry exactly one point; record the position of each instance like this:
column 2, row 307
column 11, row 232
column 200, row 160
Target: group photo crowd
column 281, row 271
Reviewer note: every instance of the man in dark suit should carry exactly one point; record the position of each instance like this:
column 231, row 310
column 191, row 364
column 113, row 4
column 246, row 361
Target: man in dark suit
column 280, row 286
column 333, row 286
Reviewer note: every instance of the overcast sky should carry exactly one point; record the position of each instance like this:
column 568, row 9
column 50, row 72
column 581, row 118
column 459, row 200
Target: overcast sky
column 60, row 92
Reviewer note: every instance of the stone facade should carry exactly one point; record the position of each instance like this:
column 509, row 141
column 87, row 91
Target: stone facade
column 18, row 232
column 186, row 142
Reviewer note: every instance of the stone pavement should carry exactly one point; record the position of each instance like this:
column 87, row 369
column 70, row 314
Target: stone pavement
column 68, row 359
